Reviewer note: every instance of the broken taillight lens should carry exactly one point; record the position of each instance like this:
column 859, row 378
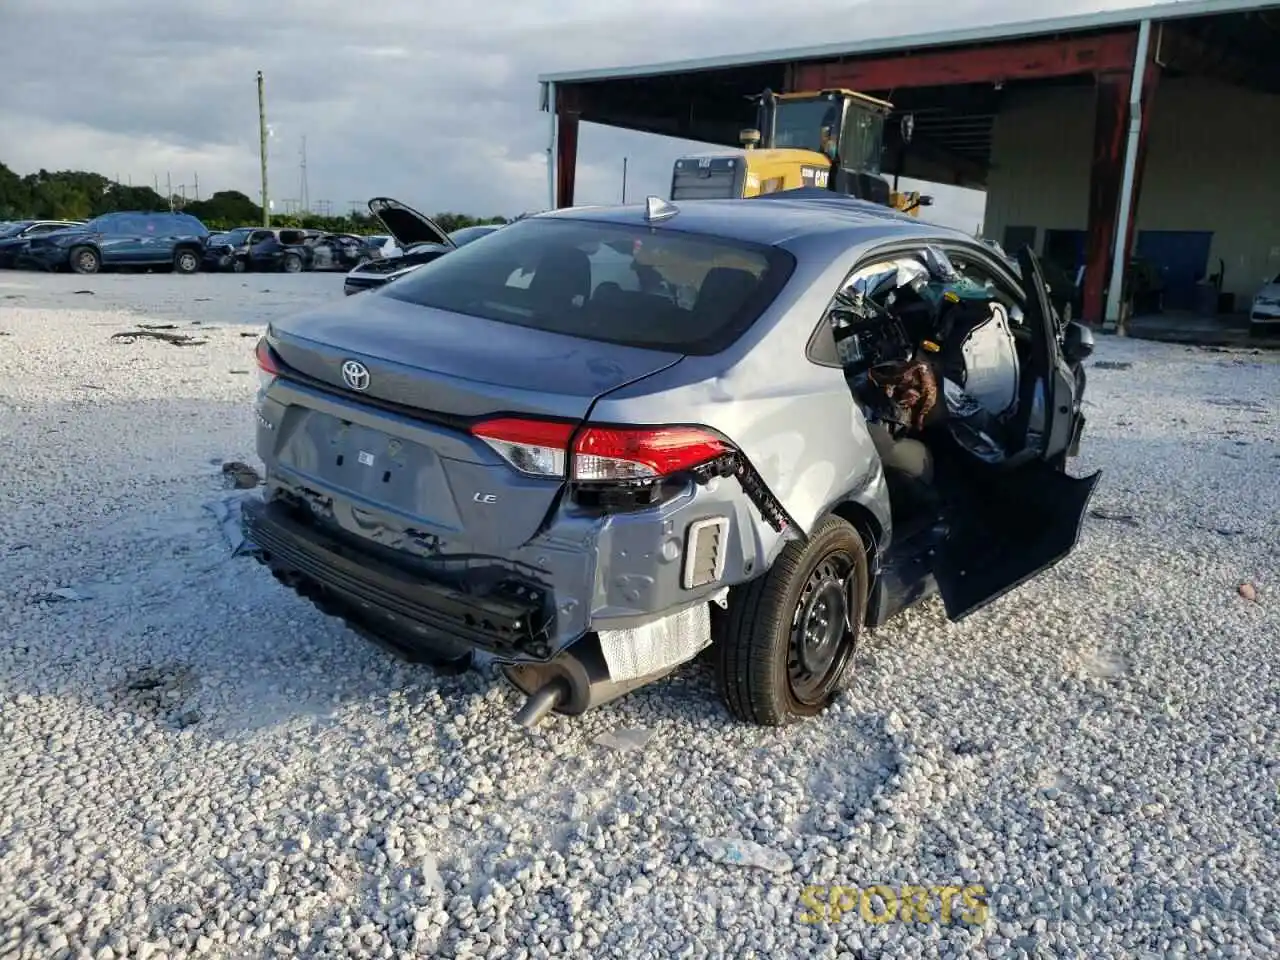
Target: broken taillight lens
column 599, row 454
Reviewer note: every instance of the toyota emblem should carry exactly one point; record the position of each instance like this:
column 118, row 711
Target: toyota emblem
column 356, row 375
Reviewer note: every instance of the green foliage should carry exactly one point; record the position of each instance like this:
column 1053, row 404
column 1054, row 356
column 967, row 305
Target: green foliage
column 78, row 195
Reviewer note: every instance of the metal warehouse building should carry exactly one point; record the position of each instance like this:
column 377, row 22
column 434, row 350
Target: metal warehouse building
column 1153, row 129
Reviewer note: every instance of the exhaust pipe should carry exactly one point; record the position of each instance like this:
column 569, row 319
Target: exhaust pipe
column 541, row 702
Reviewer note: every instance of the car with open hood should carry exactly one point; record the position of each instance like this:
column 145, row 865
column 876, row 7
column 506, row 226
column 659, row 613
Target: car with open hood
column 418, row 238
column 799, row 415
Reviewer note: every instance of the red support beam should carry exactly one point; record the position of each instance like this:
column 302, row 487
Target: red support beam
column 999, row 63
column 566, row 157
column 1106, row 176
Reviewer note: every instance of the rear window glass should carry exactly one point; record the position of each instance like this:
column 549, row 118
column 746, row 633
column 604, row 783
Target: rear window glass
column 662, row 289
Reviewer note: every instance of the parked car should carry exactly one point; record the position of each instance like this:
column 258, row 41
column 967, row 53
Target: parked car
column 1264, row 315
column 15, row 234
column 230, row 250
column 122, row 239
column 381, row 245
column 417, row 237
column 286, row 249
column 504, row 452
column 338, row 251
column 294, row 251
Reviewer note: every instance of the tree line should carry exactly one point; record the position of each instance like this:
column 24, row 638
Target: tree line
column 80, row 195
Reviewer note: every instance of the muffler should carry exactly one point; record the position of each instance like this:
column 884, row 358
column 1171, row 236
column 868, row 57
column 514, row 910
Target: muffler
column 541, row 702
column 571, row 682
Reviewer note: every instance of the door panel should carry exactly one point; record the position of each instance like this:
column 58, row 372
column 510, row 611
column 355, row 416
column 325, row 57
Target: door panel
column 1009, row 527
column 1013, row 520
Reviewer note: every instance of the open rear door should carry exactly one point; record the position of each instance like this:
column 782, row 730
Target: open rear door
column 1016, row 520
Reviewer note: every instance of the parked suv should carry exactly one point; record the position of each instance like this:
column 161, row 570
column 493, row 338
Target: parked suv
column 124, row 239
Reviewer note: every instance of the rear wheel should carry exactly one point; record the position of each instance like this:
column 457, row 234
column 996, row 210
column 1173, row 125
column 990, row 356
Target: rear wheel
column 292, row 263
column 186, row 262
column 85, row 260
column 791, row 634
column 238, row 265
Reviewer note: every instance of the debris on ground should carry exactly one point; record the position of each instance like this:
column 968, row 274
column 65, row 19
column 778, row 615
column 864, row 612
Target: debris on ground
column 226, row 512
column 241, row 474
column 745, row 853
column 89, row 292
column 61, row 595
column 1101, row 513
column 158, row 326
column 1112, row 365
column 1248, row 591
column 177, row 339
column 624, row 739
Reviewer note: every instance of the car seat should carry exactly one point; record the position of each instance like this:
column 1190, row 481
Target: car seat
column 724, row 290
column 562, row 279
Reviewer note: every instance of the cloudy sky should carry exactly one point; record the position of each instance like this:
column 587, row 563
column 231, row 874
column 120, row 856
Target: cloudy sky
column 434, row 103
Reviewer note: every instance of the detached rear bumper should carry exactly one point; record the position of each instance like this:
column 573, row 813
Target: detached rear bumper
column 506, row 621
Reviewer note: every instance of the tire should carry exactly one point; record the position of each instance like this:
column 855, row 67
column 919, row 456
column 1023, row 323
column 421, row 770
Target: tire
column 85, row 260
column 238, row 265
column 759, row 666
column 292, row 263
column 186, row 262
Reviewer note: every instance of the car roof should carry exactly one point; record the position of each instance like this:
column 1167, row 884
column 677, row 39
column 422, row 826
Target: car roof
column 780, row 219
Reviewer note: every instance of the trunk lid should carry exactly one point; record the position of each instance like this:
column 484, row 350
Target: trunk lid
column 391, row 448
column 406, row 225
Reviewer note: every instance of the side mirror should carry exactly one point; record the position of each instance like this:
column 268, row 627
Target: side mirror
column 1077, row 343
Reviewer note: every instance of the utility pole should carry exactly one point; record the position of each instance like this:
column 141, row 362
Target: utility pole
column 306, row 194
column 168, row 180
column 624, row 180
column 155, row 183
column 262, row 150
column 197, row 176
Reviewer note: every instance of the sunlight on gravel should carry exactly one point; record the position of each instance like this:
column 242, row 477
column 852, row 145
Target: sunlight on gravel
column 196, row 762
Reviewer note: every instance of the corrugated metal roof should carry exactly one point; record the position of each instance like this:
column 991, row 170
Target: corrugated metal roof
column 1156, row 10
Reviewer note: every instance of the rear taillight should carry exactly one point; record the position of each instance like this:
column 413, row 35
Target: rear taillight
column 534, row 447
column 268, row 363
column 599, row 454
column 644, row 453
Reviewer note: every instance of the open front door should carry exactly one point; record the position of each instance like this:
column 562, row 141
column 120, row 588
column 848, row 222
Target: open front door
column 1015, row 520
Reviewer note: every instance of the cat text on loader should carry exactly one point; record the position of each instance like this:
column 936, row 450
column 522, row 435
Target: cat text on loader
column 832, row 139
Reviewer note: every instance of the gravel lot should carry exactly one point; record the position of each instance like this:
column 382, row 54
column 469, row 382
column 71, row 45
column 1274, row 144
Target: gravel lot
column 195, row 762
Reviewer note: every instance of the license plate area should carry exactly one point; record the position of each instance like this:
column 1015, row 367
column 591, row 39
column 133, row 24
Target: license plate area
column 373, row 468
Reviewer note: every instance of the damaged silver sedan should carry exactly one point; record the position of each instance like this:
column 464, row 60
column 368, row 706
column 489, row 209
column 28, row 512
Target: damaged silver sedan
column 606, row 439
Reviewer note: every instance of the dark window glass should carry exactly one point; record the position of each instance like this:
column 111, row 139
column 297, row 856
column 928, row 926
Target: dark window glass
column 662, row 289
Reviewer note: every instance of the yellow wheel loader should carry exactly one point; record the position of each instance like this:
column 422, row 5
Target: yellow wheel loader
column 832, row 139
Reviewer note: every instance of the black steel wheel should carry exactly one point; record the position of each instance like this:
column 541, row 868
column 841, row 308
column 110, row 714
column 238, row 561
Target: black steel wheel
column 792, row 633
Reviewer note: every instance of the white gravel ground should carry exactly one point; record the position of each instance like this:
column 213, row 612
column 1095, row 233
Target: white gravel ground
column 195, row 762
